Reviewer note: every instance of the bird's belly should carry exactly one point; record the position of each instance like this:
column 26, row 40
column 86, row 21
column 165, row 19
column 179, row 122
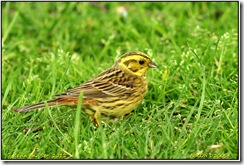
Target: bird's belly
column 114, row 107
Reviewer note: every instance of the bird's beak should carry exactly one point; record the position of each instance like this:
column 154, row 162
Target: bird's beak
column 152, row 65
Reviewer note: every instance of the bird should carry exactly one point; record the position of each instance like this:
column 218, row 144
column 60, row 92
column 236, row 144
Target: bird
column 114, row 93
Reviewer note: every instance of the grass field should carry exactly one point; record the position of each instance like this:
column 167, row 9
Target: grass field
column 189, row 112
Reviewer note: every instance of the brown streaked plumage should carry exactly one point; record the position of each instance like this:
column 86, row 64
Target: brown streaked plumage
column 111, row 94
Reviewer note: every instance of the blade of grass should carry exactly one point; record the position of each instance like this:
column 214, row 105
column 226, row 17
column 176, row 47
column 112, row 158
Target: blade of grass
column 54, row 123
column 66, row 152
column 5, row 36
column 203, row 84
column 77, row 126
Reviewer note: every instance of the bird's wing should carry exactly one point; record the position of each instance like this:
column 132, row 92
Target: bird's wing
column 109, row 83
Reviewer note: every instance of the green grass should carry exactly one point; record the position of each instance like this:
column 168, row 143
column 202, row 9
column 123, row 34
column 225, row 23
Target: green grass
column 192, row 102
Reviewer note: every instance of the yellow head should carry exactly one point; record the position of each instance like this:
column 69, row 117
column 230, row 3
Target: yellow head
column 136, row 63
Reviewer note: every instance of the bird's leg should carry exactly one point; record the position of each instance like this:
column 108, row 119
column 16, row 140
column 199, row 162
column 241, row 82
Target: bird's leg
column 96, row 119
column 126, row 115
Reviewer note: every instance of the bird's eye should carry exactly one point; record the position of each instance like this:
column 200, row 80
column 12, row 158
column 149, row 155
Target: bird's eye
column 141, row 62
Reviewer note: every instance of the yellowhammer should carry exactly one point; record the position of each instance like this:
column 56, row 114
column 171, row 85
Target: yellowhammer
column 111, row 94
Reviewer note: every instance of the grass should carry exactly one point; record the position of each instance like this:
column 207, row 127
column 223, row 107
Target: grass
column 189, row 112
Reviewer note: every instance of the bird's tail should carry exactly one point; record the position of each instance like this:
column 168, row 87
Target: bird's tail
column 50, row 103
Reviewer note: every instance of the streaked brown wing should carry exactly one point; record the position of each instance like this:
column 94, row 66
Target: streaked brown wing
column 109, row 83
